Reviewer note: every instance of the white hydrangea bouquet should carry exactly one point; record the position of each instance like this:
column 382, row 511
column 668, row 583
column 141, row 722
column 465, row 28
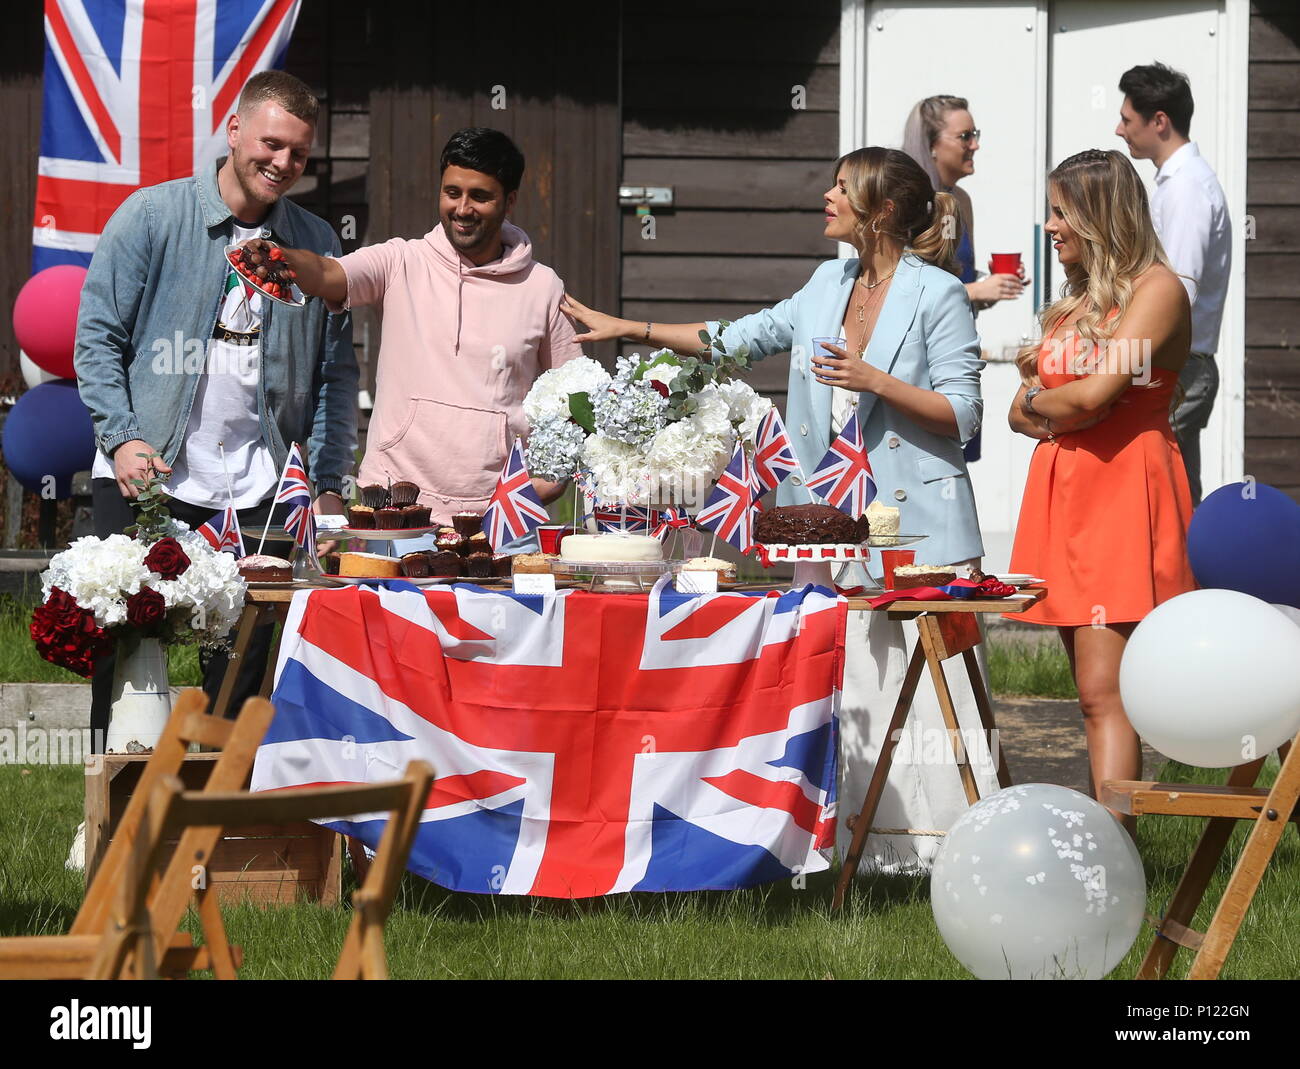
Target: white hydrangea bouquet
column 159, row 581
column 659, row 430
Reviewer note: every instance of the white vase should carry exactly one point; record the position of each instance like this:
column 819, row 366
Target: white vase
column 142, row 700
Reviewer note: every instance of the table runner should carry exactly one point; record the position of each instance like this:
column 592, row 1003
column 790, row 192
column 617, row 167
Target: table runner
column 583, row 744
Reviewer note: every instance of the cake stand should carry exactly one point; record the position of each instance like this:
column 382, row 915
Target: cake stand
column 816, row 564
column 615, row 577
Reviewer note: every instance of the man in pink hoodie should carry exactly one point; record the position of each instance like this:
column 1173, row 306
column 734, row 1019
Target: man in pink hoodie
column 470, row 320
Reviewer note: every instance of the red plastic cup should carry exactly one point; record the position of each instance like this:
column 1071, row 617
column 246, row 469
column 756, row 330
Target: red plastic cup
column 891, row 559
column 1005, row 263
column 550, row 536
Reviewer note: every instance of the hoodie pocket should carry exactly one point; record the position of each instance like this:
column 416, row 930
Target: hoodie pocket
column 451, row 450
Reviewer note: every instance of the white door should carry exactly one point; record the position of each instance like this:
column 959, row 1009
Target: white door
column 993, row 54
column 1042, row 79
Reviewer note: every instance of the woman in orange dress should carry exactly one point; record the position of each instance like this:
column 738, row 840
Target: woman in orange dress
column 1106, row 505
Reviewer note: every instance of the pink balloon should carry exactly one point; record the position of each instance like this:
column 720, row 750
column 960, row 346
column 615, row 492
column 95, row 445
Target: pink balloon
column 45, row 317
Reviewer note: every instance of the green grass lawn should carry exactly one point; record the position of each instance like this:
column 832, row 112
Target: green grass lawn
column 886, row 932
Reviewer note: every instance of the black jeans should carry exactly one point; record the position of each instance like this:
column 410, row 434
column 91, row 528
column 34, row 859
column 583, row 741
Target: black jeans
column 113, row 514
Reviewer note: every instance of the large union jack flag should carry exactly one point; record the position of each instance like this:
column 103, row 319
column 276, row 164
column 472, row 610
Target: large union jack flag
column 584, row 744
column 844, row 476
column 774, row 457
column 138, row 92
column 729, row 509
column 515, row 508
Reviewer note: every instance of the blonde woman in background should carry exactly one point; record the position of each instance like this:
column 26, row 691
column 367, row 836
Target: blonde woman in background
column 1106, row 505
column 910, row 368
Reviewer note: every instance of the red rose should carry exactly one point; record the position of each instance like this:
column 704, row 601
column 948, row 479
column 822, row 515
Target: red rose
column 146, row 609
column 67, row 635
column 167, row 558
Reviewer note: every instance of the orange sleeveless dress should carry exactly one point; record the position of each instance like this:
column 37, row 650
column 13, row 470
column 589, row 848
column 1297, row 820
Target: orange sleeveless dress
column 1104, row 516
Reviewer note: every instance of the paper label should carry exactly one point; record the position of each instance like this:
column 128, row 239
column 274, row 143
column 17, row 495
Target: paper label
column 533, row 583
column 697, row 582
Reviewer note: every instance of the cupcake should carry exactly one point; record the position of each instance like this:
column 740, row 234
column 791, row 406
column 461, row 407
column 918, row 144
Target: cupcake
column 478, row 565
column 415, row 565
column 388, row 519
column 467, row 523
column 444, row 562
column 501, row 563
column 476, row 544
column 450, row 541
column 415, row 515
column 361, row 517
column 374, row 496
column 404, row 493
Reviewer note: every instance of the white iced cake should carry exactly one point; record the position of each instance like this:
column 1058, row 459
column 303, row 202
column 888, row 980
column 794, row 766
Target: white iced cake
column 611, row 547
column 883, row 522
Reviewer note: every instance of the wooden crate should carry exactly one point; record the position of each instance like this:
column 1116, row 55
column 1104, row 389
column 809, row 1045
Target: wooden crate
column 262, row 864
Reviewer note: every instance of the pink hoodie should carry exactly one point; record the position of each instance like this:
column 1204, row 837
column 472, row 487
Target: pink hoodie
column 461, row 347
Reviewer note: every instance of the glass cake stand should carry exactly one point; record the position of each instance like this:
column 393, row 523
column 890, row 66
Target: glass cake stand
column 614, row 576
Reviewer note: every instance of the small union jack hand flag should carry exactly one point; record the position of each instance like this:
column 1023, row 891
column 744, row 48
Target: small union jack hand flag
column 222, row 532
column 634, row 519
column 671, row 518
column 774, row 457
column 295, row 491
column 515, row 508
column 730, row 508
column 844, row 476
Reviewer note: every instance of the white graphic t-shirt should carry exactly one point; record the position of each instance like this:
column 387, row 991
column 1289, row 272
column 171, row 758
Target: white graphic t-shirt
column 224, row 414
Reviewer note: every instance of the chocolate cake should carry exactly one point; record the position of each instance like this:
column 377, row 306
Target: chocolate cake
column 478, row 565
column 415, row 565
column 443, row 562
column 262, row 568
column 808, row 525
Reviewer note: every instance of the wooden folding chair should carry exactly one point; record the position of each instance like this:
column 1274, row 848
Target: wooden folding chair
column 131, row 948
column 1270, row 809
column 71, row 956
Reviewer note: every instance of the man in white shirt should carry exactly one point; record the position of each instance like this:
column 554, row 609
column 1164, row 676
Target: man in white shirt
column 1191, row 217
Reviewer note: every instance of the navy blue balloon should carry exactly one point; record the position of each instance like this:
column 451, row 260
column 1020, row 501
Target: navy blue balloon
column 49, row 433
column 1246, row 537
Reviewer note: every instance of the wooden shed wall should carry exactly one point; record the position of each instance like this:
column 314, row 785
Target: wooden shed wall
column 1273, row 255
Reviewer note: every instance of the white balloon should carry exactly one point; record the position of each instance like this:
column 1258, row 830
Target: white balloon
column 1038, row 882
column 1289, row 611
column 1212, row 678
column 33, row 373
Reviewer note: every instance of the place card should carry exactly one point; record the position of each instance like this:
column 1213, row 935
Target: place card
column 331, row 523
column 533, row 583
column 697, row 582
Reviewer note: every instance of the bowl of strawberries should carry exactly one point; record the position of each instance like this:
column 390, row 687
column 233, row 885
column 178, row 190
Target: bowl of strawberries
column 264, row 267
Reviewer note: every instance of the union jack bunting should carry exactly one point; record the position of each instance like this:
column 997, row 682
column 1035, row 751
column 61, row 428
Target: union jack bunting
column 515, row 508
column 535, row 712
column 844, row 476
column 295, row 491
column 222, row 532
column 730, row 507
column 138, row 92
column 774, row 457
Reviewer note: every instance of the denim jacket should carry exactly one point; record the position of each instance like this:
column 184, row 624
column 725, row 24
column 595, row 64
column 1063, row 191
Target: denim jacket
column 148, row 309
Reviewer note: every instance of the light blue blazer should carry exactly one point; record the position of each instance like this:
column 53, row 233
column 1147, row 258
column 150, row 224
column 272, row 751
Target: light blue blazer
column 925, row 335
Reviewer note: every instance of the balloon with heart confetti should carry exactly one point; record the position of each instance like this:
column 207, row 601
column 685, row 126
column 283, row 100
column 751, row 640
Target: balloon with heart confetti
column 1038, row 882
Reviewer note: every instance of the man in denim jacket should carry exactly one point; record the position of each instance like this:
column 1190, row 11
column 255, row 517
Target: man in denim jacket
column 178, row 358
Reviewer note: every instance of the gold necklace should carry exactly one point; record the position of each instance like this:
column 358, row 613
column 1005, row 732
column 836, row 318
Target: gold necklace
column 870, row 295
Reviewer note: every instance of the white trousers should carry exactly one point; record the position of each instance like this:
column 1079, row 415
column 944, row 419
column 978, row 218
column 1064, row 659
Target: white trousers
column 923, row 795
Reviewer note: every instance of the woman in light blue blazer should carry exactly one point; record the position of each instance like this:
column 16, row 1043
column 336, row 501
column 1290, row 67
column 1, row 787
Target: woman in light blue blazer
column 910, row 366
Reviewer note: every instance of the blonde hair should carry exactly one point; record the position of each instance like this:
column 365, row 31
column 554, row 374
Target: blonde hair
column 1102, row 198
column 926, row 223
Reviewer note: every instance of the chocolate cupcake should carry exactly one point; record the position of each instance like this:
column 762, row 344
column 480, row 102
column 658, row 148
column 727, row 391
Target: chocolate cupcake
column 374, row 496
column 404, row 493
column 476, row 544
column 415, row 515
column 444, row 562
column 415, row 565
column 501, row 563
column 478, row 565
column 361, row 517
column 451, row 542
column 388, row 519
column 467, row 523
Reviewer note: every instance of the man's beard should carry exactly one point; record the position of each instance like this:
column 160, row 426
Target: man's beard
column 479, row 238
column 250, row 186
